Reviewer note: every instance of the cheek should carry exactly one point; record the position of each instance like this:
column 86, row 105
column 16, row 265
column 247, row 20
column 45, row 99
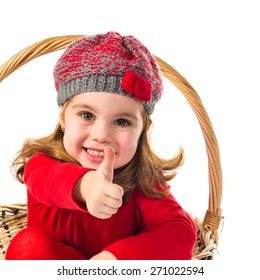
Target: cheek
column 129, row 144
column 72, row 138
column 68, row 143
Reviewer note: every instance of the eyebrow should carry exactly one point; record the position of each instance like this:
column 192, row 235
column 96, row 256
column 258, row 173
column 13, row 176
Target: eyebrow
column 127, row 115
column 122, row 114
column 83, row 106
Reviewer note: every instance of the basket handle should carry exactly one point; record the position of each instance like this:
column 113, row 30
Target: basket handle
column 213, row 214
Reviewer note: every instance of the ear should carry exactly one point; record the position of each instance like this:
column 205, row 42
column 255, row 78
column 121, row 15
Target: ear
column 61, row 118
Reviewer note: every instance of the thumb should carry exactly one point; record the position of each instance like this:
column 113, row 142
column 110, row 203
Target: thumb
column 107, row 165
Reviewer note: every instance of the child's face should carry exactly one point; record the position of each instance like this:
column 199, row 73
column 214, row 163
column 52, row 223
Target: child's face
column 94, row 120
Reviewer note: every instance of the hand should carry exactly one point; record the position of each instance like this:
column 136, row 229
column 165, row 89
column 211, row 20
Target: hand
column 104, row 255
column 102, row 197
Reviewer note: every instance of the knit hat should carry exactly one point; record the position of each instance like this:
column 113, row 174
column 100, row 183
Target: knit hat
column 109, row 63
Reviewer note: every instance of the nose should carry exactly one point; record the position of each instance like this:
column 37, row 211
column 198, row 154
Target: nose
column 101, row 133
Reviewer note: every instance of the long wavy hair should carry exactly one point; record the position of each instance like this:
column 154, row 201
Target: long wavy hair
column 146, row 171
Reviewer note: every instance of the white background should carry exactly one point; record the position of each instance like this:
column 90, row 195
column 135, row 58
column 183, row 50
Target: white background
column 213, row 44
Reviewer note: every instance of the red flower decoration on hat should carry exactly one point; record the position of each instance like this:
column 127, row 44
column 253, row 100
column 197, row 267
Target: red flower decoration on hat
column 139, row 87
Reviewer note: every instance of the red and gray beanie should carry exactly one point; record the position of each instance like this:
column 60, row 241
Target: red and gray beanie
column 109, row 63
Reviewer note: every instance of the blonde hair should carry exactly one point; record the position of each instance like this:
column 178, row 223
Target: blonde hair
column 146, row 171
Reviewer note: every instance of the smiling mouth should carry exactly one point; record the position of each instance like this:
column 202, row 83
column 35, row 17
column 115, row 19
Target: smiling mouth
column 95, row 152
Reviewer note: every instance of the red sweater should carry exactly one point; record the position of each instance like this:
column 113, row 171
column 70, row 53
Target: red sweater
column 143, row 228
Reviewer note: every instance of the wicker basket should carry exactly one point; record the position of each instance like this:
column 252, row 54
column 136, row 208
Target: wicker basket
column 13, row 217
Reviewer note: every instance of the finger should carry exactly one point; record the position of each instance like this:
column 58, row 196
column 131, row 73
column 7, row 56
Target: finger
column 108, row 210
column 115, row 191
column 113, row 203
column 103, row 216
column 107, row 165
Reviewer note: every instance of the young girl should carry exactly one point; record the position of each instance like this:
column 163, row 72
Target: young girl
column 96, row 190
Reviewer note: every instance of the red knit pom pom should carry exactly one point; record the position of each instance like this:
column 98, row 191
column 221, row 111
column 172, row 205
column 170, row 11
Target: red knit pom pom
column 134, row 84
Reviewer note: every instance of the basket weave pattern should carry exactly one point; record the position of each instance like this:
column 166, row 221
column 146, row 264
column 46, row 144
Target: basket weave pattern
column 12, row 220
column 13, row 217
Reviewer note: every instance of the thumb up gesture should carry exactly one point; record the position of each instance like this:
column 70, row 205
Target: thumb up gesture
column 102, row 197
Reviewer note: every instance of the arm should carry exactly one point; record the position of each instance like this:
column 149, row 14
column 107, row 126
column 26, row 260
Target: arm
column 168, row 233
column 52, row 182
column 70, row 186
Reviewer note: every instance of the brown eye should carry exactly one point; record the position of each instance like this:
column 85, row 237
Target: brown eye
column 87, row 116
column 122, row 122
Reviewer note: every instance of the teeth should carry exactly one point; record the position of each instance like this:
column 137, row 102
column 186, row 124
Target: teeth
column 95, row 153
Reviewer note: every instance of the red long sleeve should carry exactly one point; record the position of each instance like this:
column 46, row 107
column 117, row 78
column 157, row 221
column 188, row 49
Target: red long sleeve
column 168, row 232
column 51, row 182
